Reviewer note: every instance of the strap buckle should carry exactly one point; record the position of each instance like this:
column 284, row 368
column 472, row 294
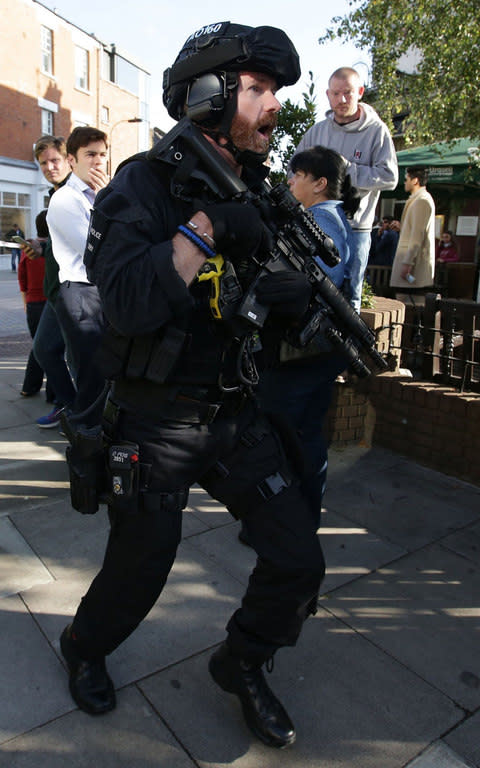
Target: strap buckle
column 272, row 485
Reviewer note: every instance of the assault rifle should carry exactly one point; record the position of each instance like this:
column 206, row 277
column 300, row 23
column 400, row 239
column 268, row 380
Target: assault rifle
column 294, row 240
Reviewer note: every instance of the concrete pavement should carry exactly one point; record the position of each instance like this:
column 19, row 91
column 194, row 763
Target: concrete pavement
column 386, row 675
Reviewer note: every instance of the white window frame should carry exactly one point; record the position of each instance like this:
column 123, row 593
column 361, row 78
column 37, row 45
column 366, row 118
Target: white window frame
column 82, row 68
column 47, row 122
column 47, row 49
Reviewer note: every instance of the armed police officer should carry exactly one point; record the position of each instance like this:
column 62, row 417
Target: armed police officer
column 182, row 406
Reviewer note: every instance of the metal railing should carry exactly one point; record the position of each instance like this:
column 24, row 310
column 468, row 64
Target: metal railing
column 452, row 342
column 441, row 342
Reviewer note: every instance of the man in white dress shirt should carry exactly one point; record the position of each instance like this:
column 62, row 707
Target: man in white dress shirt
column 78, row 304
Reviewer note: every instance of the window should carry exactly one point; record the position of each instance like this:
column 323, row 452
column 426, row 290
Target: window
column 47, row 50
column 81, row 68
column 108, row 72
column 47, row 122
column 105, row 115
column 126, row 75
column 14, row 207
column 14, row 200
column 9, row 199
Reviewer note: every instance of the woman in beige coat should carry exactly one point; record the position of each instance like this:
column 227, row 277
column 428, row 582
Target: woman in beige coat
column 414, row 263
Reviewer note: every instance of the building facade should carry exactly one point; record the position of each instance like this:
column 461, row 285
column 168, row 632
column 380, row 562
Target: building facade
column 53, row 77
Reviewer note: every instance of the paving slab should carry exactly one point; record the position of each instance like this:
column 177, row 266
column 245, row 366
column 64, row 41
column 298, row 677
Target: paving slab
column 357, row 459
column 223, row 548
column 14, row 409
column 32, row 466
column 20, row 568
column 465, row 739
column 439, row 756
column 465, row 542
column 28, row 667
column 67, row 541
column 406, row 504
column 192, row 524
column 349, row 551
column 424, row 611
column 209, row 511
column 13, row 318
column 190, row 616
column 353, row 706
column 132, row 736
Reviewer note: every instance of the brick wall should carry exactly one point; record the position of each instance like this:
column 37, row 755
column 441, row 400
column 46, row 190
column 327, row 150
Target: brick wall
column 347, row 415
column 435, row 425
column 386, row 321
column 23, row 83
column 349, row 412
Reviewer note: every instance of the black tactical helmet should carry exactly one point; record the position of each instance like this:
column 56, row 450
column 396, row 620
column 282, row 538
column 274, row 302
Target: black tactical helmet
column 225, row 48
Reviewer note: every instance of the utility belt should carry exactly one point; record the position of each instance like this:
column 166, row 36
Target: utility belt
column 106, row 470
column 182, row 403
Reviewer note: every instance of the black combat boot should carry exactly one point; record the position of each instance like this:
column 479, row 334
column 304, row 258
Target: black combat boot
column 264, row 714
column 90, row 685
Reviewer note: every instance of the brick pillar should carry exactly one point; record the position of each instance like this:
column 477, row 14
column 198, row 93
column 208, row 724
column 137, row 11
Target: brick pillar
column 350, row 417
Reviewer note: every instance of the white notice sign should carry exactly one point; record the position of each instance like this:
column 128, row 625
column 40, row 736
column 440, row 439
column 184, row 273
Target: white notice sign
column 467, row 225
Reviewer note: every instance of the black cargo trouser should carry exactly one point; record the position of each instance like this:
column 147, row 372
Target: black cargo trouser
column 80, row 315
column 239, row 460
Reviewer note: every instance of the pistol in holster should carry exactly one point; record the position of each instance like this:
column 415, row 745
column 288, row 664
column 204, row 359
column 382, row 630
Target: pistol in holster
column 101, row 471
column 86, row 465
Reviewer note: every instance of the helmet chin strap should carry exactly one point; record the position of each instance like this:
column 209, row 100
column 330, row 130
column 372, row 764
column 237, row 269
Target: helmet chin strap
column 241, row 156
column 246, row 156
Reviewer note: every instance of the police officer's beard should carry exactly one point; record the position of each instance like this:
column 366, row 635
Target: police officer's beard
column 256, row 137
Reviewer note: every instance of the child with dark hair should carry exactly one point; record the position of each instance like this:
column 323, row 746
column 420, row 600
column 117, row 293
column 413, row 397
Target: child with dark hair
column 299, row 385
column 321, row 182
column 31, row 272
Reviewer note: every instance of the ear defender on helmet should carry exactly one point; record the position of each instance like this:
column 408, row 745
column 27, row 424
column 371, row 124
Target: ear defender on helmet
column 206, row 99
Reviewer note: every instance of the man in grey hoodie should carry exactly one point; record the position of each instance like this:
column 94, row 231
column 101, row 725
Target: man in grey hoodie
column 356, row 132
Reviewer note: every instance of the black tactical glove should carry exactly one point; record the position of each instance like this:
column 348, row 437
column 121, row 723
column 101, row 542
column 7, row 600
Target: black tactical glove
column 237, row 229
column 288, row 293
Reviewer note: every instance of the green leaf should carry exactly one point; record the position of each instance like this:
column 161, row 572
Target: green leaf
column 443, row 96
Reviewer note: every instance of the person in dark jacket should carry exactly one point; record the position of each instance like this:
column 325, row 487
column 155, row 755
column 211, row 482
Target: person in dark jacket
column 31, row 272
column 386, row 243
column 15, row 231
column 181, row 408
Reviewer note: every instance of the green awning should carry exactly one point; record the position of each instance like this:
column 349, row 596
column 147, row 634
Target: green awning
column 448, row 163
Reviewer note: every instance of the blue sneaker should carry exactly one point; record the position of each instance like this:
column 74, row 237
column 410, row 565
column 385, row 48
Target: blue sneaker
column 51, row 420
